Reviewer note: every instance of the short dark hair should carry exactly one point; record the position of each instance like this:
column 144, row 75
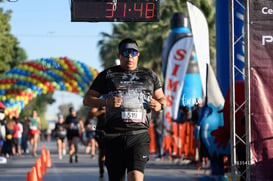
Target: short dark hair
column 71, row 109
column 15, row 119
column 127, row 41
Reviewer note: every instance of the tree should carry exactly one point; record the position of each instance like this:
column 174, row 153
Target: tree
column 151, row 36
column 10, row 52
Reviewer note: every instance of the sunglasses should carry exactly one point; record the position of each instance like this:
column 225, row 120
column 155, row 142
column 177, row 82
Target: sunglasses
column 126, row 53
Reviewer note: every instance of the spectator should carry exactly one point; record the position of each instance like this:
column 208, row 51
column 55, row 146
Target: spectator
column 8, row 142
column 24, row 144
column 2, row 134
column 16, row 136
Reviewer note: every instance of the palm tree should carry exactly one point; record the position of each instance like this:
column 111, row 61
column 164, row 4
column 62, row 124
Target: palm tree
column 151, row 35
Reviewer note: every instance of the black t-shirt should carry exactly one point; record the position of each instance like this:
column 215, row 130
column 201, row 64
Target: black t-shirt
column 60, row 129
column 25, row 127
column 72, row 122
column 135, row 87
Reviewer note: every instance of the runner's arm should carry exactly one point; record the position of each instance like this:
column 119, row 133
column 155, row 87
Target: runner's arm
column 158, row 99
column 92, row 99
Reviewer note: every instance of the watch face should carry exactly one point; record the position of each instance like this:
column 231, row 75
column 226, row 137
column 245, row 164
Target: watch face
column 162, row 106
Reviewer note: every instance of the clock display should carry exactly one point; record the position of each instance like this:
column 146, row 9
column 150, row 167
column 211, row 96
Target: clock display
column 114, row 10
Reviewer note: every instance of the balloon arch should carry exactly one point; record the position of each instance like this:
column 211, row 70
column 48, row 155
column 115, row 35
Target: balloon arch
column 20, row 85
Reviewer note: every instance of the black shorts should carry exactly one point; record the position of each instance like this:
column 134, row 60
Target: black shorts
column 71, row 133
column 129, row 152
column 62, row 138
column 15, row 142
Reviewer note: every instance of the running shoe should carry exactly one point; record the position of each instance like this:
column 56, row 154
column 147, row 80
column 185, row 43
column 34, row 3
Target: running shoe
column 101, row 178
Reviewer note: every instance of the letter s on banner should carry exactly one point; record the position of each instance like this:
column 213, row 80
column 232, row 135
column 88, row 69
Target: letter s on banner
column 177, row 65
column 180, row 54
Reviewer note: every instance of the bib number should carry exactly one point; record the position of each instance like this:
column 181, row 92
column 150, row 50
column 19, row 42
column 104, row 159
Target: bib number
column 131, row 115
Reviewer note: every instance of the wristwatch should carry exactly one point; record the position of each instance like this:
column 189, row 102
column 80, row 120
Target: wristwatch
column 162, row 106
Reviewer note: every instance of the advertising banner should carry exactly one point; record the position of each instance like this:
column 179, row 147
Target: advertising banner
column 200, row 33
column 178, row 60
column 261, row 86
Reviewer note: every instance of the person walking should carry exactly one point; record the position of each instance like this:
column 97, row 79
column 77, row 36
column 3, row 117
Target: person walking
column 73, row 127
column 60, row 134
column 34, row 131
column 129, row 94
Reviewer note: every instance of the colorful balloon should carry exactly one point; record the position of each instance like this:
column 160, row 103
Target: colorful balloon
column 20, row 85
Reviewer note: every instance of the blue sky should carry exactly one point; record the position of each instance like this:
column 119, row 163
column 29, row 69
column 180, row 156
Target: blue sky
column 44, row 29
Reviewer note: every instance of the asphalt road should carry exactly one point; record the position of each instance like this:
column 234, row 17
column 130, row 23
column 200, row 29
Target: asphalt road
column 87, row 169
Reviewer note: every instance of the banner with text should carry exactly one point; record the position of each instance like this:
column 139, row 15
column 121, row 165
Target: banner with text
column 261, row 86
column 177, row 64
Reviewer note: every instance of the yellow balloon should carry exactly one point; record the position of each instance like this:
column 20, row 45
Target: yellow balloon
column 68, row 87
column 73, row 82
column 65, row 66
column 45, row 91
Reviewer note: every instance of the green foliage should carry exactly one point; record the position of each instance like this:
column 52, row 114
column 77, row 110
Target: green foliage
column 10, row 52
column 151, row 35
column 10, row 56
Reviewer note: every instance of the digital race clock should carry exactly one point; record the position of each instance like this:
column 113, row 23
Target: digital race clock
column 114, row 10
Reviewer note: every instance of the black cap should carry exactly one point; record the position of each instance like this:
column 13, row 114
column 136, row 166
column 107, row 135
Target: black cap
column 126, row 46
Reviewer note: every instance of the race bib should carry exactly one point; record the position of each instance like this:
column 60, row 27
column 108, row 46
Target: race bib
column 131, row 116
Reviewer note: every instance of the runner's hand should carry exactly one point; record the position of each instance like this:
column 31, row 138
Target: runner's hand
column 155, row 105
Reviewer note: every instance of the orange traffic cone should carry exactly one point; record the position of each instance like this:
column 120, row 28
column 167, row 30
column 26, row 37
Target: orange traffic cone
column 43, row 160
column 43, row 147
column 28, row 176
column 38, row 166
column 32, row 175
column 48, row 160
